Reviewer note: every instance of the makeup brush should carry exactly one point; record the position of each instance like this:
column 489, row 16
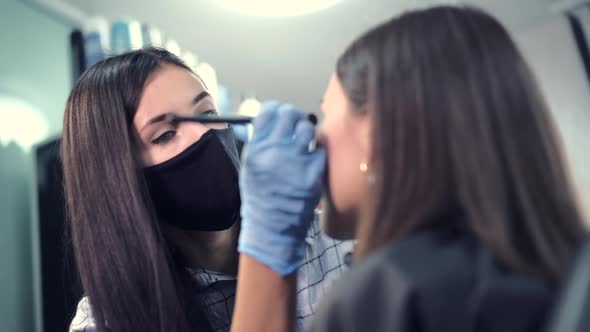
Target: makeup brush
column 229, row 119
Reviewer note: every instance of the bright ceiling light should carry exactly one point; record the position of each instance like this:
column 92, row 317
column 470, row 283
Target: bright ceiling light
column 278, row 7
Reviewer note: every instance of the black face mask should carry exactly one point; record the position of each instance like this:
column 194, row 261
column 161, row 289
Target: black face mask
column 198, row 189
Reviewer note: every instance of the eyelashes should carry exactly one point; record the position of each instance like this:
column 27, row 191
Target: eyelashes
column 164, row 138
column 210, row 112
column 168, row 135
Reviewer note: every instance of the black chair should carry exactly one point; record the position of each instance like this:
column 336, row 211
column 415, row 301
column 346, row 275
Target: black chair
column 60, row 284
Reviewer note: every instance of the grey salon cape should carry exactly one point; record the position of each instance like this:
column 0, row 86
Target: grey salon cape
column 440, row 279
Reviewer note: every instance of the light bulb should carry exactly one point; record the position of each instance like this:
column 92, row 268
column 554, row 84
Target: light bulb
column 278, row 7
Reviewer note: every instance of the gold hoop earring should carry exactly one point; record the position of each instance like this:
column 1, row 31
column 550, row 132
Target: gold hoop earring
column 364, row 167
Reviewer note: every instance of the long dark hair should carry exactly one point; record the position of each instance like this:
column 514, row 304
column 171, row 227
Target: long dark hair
column 459, row 127
column 127, row 271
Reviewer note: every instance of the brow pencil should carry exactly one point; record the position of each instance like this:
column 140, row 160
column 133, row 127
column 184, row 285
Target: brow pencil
column 229, row 119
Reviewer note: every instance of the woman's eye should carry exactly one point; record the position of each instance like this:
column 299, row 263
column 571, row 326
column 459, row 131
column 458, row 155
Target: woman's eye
column 165, row 137
column 210, row 113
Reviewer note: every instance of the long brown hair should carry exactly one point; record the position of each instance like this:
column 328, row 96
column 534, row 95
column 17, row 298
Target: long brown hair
column 459, row 127
column 132, row 282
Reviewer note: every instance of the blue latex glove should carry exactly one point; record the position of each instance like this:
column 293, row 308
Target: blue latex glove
column 280, row 184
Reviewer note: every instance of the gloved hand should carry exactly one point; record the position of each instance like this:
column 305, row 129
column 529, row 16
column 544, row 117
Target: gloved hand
column 280, row 184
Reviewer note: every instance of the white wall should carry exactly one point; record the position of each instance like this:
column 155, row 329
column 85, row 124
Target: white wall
column 551, row 51
column 35, row 67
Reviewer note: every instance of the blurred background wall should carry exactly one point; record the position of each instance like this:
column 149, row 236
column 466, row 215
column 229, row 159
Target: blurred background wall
column 34, row 70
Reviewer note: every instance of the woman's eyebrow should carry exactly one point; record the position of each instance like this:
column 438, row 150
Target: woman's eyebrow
column 162, row 117
column 201, row 96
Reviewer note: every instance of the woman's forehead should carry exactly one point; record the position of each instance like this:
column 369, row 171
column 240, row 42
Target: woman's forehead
column 171, row 89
